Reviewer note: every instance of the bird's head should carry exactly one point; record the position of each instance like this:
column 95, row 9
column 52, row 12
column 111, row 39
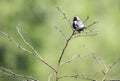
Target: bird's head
column 76, row 18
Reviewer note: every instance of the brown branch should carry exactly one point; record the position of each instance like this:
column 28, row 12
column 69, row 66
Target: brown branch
column 66, row 44
column 9, row 73
column 67, row 41
column 62, row 53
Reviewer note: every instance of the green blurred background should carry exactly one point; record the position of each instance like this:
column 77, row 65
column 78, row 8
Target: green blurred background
column 37, row 20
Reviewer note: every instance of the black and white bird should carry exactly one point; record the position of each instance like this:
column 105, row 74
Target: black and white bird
column 78, row 25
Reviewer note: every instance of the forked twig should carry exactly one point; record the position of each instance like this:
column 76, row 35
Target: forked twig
column 34, row 51
column 98, row 59
column 71, row 59
column 9, row 73
column 13, row 41
column 26, row 50
column 61, row 32
column 67, row 41
column 109, row 68
column 100, row 62
column 65, row 17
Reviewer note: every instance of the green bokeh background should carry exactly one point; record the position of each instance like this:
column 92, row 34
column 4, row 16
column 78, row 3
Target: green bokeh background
column 37, row 20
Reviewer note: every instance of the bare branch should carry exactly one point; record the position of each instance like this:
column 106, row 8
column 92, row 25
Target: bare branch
column 98, row 59
column 83, row 35
column 61, row 32
column 71, row 59
column 17, row 45
column 24, row 49
column 60, row 58
column 80, row 76
column 109, row 68
column 65, row 17
column 34, row 51
column 9, row 73
column 100, row 62
column 91, row 24
column 86, row 19
column 49, row 78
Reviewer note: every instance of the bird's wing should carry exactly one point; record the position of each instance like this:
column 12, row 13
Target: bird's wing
column 80, row 24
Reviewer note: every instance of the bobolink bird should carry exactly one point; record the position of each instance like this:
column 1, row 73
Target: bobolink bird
column 78, row 25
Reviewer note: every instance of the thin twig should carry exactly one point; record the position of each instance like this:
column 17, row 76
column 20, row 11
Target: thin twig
column 84, row 35
column 86, row 19
column 71, row 59
column 9, row 73
column 49, row 78
column 34, row 51
column 81, row 76
column 98, row 59
column 109, row 68
column 65, row 17
column 17, row 45
column 62, row 53
column 61, row 32
column 91, row 24
column 60, row 58
column 24, row 49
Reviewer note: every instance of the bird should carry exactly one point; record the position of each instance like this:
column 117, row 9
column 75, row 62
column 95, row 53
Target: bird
column 78, row 25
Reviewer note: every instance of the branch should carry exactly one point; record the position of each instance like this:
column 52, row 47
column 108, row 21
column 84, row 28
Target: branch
column 84, row 35
column 98, row 59
column 71, row 59
column 86, row 19
column 109, row 68
column 65, row 17
column 49, row 78
column 9, row 73
column 100, row 62
column 13, row 41
column 61, row 32
column 24, row 49
column 67, row 41
column 81, row 76
column 34, row 51
column 91, row 24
